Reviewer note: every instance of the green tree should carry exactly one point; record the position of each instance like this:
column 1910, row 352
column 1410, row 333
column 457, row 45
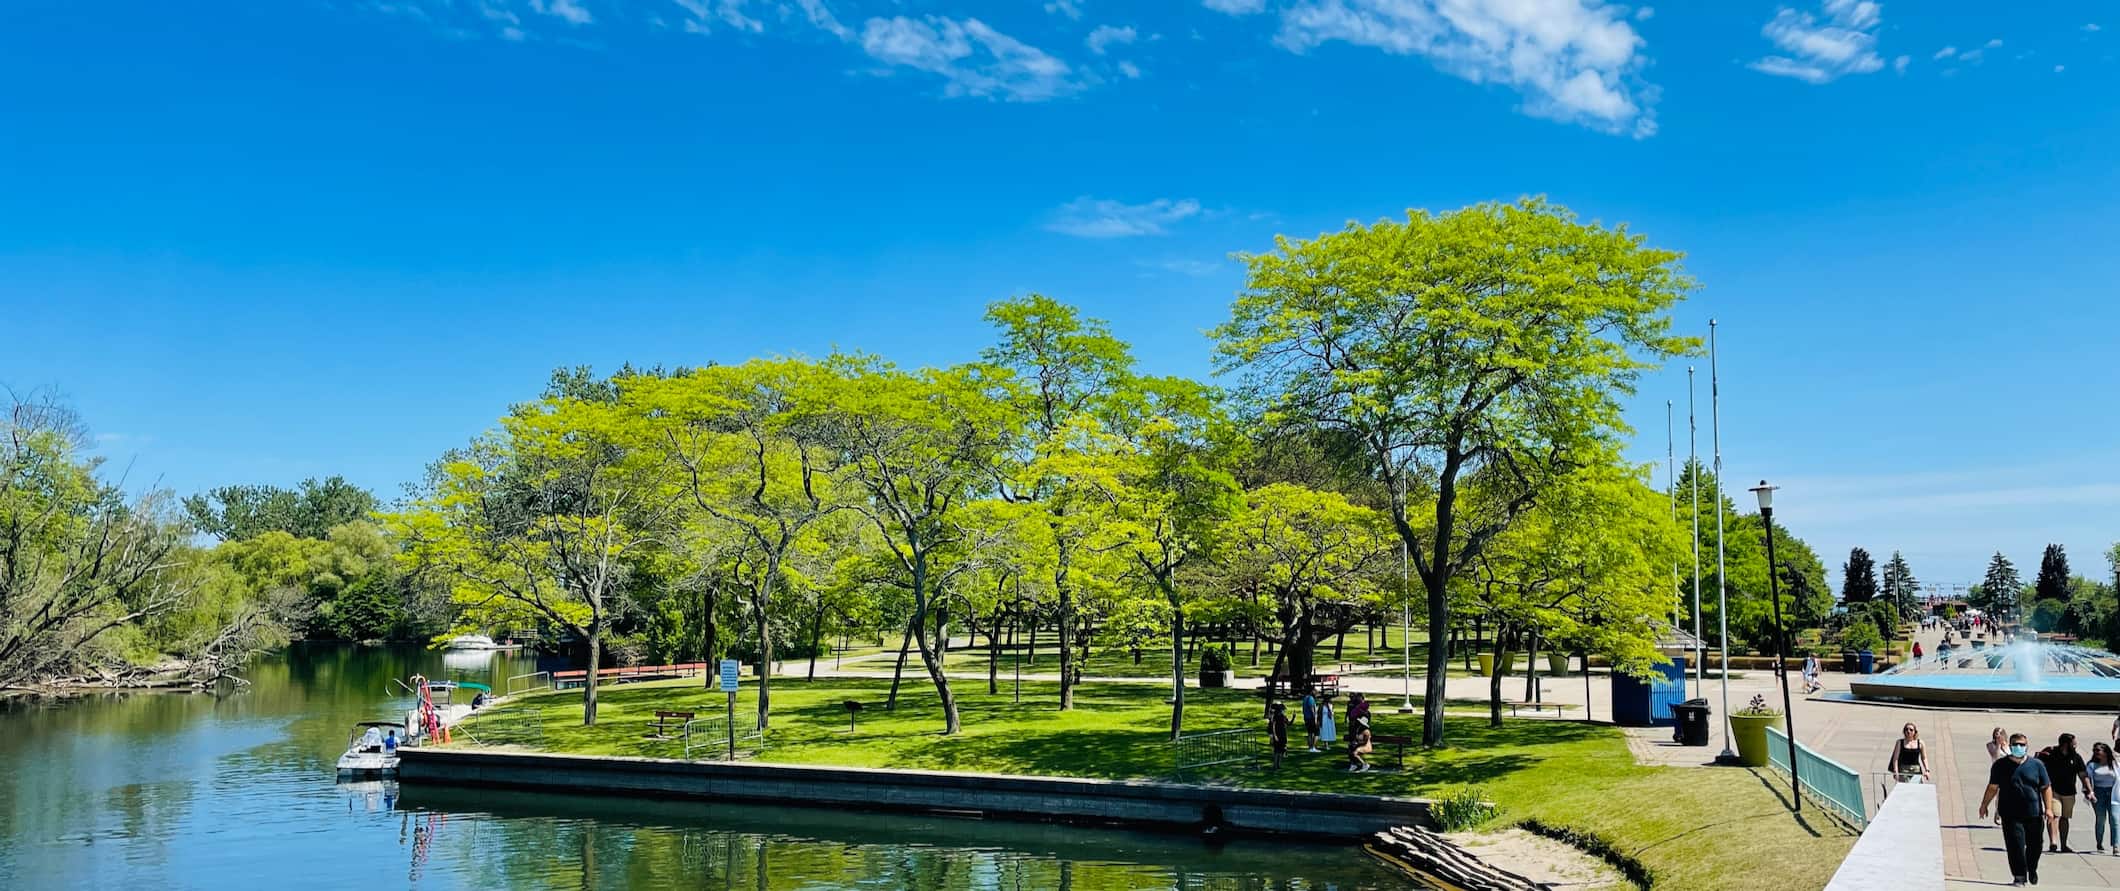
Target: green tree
column 1496, row 338
column 1060, row 371
column 234, row 513
column 1999, row 588
column 1314, row 557
column 2052, row 581
column 1858, row 578
column 1900, row 587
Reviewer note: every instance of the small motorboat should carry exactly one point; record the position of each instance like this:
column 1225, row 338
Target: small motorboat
column 368, row 754
column 472, row 642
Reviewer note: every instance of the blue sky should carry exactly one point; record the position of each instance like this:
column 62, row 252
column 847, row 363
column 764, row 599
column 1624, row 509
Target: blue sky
column 258, row 242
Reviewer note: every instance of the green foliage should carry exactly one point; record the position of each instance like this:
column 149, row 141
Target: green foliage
column 1461, row 808
column 1214, row 659
column 1759, row 708
column 1999, row 589
column 2047, row 614
column 2052, row 581
column 1900, row 587
column 233, row 513
column 1858, row 578
column 1806, row 598
column 1861, row 636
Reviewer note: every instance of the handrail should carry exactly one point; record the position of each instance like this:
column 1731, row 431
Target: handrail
column 508, row 686
column 1826, row 781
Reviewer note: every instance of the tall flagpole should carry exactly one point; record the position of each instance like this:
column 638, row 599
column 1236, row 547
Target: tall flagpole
column 1700, row 655
column 1722, row 599
column 1671, row 486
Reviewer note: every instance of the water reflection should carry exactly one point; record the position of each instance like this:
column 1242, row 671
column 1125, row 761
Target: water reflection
column 193, row 791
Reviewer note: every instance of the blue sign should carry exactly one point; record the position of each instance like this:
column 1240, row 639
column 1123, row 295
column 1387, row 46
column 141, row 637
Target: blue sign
column 728, row 675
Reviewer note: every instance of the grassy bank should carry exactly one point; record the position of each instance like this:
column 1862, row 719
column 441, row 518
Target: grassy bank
column 1696, row 828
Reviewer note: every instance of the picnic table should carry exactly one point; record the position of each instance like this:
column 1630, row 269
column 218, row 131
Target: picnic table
column 661, row 724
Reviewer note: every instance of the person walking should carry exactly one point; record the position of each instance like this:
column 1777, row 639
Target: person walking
column 1810, row 677
column 1909, row 761
column 2099, row 778
column 1998, row 744
column 2064, row 766
column 1917, row 651
column 2022, row 793
column 1310, row 718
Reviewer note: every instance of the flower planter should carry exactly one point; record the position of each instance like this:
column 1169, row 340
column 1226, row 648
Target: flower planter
column 1487, row 664
column 1210, row 680
column 1556, row 663
column 1751, row 733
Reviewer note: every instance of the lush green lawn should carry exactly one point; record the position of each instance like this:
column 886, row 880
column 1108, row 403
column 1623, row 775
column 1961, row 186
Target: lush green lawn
column 1696, row 828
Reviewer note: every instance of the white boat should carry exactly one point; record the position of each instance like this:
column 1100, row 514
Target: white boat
column 472, row 642
column 367, row 755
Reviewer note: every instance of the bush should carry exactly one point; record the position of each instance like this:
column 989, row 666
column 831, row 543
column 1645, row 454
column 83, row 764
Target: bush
column 1464, row 807
column 1213, row 658
column 1861, row 636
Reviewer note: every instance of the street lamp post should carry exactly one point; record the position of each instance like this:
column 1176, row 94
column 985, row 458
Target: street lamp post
column 1781, row 640
column 1406, row 625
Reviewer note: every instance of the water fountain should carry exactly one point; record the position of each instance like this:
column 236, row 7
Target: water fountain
column 2024, row 674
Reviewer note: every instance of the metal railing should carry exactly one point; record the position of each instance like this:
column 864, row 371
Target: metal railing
column 1194, row 751
column 1827, row 782
column 709, row 739
column 508, row 686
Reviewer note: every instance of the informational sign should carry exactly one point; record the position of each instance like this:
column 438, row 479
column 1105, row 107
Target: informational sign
column 728, row 675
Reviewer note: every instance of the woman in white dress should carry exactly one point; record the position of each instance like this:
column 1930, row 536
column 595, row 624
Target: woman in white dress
column 1327, row 730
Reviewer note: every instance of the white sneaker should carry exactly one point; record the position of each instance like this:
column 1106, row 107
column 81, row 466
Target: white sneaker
column 1314, row 748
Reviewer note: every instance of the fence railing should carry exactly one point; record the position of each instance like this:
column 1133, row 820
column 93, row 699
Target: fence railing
column 508, row 686
column 709, row 739
column 1195, row 751
column 1826, row 782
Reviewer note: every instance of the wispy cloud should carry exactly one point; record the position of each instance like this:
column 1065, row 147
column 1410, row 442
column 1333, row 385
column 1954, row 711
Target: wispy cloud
column 971, row 58
column 1068, row 8
column 1575, row 61
column 1840, row 39
column 568, row 10
column 1106, row 36
column 1187, row 267
column 2093, row 27
column 1977, row 53
column 1088, row 217
column 1235, row 7
column 1945, row 53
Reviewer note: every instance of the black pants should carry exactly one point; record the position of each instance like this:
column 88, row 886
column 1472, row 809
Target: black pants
column 2022, row 837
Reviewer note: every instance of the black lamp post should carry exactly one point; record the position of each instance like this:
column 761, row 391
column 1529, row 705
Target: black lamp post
column 1781, row 638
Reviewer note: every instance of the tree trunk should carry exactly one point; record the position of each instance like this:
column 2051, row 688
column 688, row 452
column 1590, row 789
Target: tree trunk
column 890, row 703
column 1339, row 645
column 1494, row 679
column 596, row 652
column 1531, row 668
column 927, row 652
column 1066, row 622
column 765, row 646
column 710, row 637
column 1177, row 667
column 816, row 637
column 993, row 652
column 1255, row 635
column 1438, row 661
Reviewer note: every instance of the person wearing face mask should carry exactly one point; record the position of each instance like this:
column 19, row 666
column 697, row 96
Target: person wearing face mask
column 2024, row 795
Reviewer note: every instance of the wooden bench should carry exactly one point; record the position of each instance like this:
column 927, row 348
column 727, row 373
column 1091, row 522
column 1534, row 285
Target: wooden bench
column 1535, row 707
column 662, row 722
column 1398, row 743
column 1321, row 684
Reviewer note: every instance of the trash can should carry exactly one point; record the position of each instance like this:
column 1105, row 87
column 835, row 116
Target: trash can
column 1866, row 662
column 1692, row 722
column 1849, row 662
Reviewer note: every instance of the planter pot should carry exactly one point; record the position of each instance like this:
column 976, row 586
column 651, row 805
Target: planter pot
column 1556, row 663
column 1214, row 679
column 1751, row 733
column 1487, row 664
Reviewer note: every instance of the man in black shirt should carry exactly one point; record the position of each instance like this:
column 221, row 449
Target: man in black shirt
column 2026, row 794
column 2064, row 765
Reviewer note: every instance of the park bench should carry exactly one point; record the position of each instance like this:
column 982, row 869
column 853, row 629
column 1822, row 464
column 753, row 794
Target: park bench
column 1535, row 707
column 1398, row 745
column 1321, row 684
column 663, row 719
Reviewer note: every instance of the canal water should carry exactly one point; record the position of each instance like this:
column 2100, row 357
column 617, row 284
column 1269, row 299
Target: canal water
column 167, row 790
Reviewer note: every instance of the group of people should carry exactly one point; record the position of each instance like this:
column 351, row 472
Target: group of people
column 1320, row 725
column 2033, row 795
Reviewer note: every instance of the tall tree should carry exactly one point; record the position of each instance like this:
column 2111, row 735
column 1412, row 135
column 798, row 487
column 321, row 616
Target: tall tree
column 2052, row 581
column 751, row 447
column 1900, row 587
column 235, row 513
column 1314, row 557
column 1496, row 339
column 1858, row 578
column 1062, row 370
column 2000, row 588
column 921, row 446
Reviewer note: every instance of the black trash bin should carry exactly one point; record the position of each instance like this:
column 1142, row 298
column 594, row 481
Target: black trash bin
column 1692, row 720
column 1850, row 662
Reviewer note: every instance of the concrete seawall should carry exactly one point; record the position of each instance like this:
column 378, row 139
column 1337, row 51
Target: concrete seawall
column 1048, row 799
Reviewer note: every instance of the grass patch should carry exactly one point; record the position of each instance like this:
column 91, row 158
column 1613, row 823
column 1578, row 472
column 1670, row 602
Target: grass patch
column 1691, row 827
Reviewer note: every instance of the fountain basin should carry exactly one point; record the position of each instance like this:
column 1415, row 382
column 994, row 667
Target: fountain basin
column 2021, row 675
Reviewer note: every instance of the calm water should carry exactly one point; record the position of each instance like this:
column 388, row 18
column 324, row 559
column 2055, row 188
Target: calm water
column 192, row 791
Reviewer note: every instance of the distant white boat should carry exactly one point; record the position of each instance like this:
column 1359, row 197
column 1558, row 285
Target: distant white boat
column 478, row 642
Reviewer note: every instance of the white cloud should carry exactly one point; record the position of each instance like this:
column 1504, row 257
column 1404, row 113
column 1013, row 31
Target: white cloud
column 1645, row 13
column 1945, row 53
column 1573, row 60
column 1899, row 65
column 1822, row 50
column 702, row 18
column 1235, row 7
column 1130, row 70
column 2060, row 68
column 821, row 17
column 568, row 10
column 1977, row 53
column 1088, row 217
column 1068, row 8
column 971, row 58
column 1106, row 35
column 1194, row 268
column 2093, row 26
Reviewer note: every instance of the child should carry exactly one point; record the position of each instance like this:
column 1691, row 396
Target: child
column 1277, row 730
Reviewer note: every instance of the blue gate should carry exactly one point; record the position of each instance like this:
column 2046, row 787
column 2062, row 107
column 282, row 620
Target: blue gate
column 1639, row 703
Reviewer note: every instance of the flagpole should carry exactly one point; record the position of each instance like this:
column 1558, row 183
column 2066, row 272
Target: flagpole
column 1671, row 486
column 1722, row 599
column 1700, row 655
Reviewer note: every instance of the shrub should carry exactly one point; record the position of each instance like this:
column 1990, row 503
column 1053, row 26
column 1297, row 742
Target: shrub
column 1758, row 708
column 1861, row 636
column 1213, row 658
column 1463, row 807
